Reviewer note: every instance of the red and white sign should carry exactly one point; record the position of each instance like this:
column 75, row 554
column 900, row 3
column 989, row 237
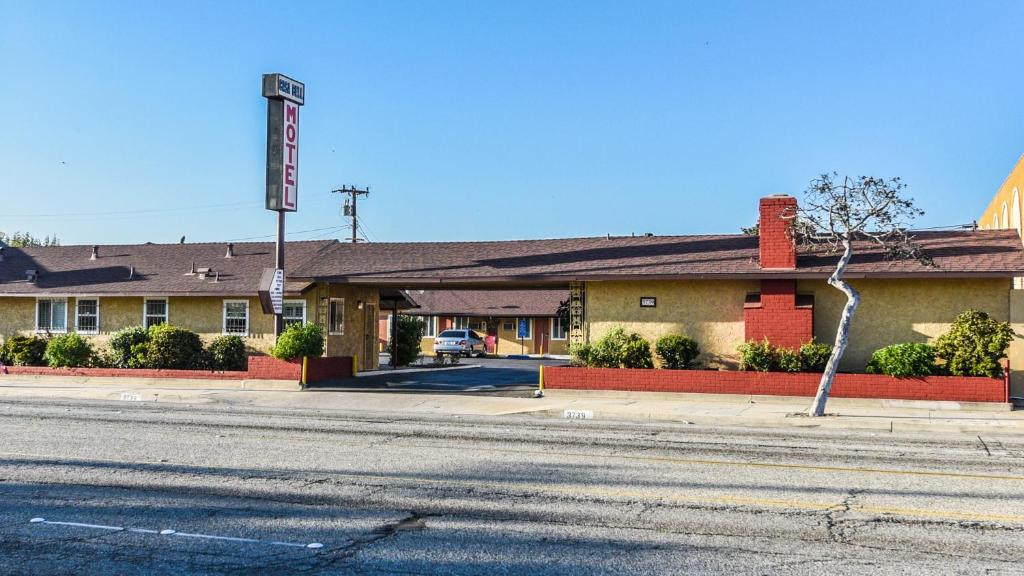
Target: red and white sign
column 290, row 157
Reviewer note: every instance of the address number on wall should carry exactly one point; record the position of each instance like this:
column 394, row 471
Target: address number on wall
column 648, row 302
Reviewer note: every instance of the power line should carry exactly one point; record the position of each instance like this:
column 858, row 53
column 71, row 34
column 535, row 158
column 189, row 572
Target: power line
column 134, row 212
column 289, row 233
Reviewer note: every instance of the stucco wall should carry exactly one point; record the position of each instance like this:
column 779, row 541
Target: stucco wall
column 360, row 337
column 1008, row 195
column 711, row 312
column 17, row 316
column 893, row 311
column 203, row 315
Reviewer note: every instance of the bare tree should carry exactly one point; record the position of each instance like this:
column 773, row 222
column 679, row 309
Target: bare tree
column 837, row 214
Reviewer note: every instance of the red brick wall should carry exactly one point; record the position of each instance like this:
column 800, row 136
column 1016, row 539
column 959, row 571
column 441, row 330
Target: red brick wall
column 127, row 373
column 952, row 388
column 270, row 368
column 777, row 318
column 260, row 368
column 320, row 369
column 776, row 243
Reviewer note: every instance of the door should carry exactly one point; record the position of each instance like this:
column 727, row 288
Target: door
column 371, row 324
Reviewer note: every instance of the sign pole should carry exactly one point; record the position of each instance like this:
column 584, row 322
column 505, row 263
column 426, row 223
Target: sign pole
column 279, row 265
column 284, row 97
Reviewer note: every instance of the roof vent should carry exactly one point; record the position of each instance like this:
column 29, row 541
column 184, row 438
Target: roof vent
column 31, row 275
column 216, row 276
column 204, row 272
column 192, row 272
column 231, row 251
column 648, row 234
column 131, row 272
column 95, row 253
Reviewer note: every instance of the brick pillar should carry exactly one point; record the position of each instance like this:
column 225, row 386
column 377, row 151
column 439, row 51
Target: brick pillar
column 777, row 249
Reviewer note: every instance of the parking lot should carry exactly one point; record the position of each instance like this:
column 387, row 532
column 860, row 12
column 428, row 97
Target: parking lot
column 471, row 375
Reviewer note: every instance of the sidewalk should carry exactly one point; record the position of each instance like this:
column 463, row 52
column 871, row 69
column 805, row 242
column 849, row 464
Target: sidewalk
column 700, row 409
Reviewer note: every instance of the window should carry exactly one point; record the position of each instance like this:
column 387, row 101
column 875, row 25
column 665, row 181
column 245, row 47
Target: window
column 51, row 315
column 453, row 334
column 154, row 312
column 461, row 323
column 293, row 312
column 236, row 317
column 87, row 316
column 431, row 326
column 558, row 330
column 529, row 328
column 336, row 317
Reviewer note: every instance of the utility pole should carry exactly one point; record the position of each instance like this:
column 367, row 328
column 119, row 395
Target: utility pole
column 350, row 207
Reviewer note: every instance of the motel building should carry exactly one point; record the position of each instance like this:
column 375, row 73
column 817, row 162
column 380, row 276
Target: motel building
column 496, row 315
column 720, row 290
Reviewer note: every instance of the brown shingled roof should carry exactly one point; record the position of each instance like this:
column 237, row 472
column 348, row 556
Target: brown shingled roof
column 159, row 269
column 487, row 303
column 997, row 253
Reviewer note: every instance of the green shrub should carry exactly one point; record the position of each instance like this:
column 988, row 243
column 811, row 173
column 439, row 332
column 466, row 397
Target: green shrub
column 905, row 360
column 677, row 352
column 299, row 340
column 787, row 360
column 615, row 350
column 227, row 353
column 137, row 356
column 974, row 345
column 174, row 348
column 758, row 356
column 580, row 355
column 68, row 350
column 24, row 351
column 119, row 347
column 607, row 352
column 814, row 356
column 636, row 352
column 406, row 338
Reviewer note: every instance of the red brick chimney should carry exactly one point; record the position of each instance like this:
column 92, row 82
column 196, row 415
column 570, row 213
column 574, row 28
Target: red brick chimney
column 778, row 250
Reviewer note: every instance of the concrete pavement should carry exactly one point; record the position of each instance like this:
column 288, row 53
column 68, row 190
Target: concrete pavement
column 704, row 409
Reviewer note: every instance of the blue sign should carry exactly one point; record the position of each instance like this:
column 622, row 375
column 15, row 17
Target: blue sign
column 524, row 327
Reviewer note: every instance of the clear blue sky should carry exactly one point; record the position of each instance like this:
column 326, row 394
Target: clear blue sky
column 487, row 120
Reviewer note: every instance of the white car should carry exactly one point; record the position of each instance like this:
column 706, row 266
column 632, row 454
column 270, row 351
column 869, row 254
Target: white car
column 464, row 342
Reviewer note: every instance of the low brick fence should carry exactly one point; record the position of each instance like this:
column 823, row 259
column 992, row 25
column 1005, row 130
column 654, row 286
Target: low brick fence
column 951, row 388
column 259, row 368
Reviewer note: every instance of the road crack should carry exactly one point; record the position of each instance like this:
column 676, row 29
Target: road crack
column 838, row 528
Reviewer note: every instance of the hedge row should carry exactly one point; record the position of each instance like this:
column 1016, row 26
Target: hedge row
column 163, row 347
column 973, row 346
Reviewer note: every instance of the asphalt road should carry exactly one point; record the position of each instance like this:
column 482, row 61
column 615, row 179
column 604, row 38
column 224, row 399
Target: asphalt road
column 133, row 488
column 489, row 376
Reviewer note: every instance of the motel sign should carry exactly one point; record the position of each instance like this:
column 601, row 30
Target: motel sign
column 284, row 98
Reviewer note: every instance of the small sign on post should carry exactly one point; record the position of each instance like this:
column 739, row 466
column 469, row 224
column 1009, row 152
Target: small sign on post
column 271, row 291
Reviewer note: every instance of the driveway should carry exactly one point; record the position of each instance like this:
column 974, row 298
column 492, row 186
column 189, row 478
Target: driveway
column 473, row 375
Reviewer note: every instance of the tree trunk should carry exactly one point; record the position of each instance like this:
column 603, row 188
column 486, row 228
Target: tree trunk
column 842, row 333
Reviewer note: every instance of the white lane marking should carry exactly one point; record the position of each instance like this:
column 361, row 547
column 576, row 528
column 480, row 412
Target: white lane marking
column 75, row 524
column 169, row 532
